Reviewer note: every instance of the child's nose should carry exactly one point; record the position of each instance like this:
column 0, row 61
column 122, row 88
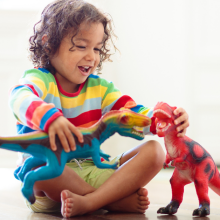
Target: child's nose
column 90, row 55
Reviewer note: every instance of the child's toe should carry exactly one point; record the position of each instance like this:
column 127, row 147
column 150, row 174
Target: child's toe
column 142, row 192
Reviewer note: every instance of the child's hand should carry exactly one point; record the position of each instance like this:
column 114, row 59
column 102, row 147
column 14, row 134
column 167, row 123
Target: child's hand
column 182, row 121
column 64, row 129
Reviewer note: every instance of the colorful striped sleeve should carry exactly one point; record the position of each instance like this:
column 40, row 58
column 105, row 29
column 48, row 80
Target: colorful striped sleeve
column 112, row 99
column 27, row 101
column 149, row 130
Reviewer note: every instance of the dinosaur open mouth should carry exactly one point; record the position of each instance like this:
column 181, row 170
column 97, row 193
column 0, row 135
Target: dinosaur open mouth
column 138, row 131
column 159, row 113
column 162, row 126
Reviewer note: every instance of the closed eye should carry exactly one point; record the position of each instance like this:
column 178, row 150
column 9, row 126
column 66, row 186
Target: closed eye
column 81, row 47
column 97, row 49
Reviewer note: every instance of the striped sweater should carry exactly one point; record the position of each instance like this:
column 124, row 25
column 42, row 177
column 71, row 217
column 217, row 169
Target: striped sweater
column 39, row 99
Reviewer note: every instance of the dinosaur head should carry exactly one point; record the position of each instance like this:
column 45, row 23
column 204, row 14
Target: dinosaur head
column 164, row 118
column 127, row 123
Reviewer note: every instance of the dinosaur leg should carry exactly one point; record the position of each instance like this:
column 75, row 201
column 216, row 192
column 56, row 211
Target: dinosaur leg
column 177, row 184
column 29, row 163
column 16, row 172
column 105, row 156
column 97, row 159
column 99, row 164
column 201, row 184
column 214, row 183
column 51, row 170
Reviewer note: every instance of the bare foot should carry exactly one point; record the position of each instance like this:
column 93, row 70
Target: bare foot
column 137, row 202
column 73, row 204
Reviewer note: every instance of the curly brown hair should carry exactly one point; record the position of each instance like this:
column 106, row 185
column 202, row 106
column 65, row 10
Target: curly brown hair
column 60, row 18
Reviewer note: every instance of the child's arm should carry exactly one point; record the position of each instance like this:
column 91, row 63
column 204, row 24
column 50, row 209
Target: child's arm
column 30, row 109
column 64, row 129
column 27, row 101
column 114, row 100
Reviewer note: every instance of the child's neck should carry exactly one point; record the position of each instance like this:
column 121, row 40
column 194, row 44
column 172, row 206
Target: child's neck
column 67, row 87
column 71, row 88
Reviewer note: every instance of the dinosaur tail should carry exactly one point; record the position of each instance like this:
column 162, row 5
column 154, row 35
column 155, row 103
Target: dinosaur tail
column 214, row 183
column 21, row 142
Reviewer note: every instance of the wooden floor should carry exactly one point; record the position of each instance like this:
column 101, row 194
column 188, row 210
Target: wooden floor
column 12, row 206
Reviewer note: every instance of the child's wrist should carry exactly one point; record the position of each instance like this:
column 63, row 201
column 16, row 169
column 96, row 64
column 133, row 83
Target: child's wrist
column 51, row 119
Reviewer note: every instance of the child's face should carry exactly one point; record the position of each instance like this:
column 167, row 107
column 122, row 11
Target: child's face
column 74, row 67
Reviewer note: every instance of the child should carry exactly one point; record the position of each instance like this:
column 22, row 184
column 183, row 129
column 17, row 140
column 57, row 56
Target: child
column 69, row 43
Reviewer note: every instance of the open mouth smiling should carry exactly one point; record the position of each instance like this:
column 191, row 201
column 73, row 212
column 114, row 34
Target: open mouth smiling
column 84, row 69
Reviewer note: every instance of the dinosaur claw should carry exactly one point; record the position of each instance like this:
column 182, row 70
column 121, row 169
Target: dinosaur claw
column 161, row 210
column 115, row 166
column 170, row 209
column 167, row 210
column 202, row 211
column 195, row 212
column 165, row 165
column 32, row 199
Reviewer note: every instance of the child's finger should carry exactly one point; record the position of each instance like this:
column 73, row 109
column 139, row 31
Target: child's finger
column 178, row 111
column 182, row 129
column 182, row 133
column 77, row 132
column 70, row 139
column 52, row 141
column 182, row 126
column 64, row 141
column 181, row 119
column 183, row 116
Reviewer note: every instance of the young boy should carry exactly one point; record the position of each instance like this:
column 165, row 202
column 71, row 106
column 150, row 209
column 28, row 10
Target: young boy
column 69, row 44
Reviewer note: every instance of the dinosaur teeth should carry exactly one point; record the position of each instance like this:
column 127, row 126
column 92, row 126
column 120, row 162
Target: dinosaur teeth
column 139, row 129
column 137, row 133
column 163, row 112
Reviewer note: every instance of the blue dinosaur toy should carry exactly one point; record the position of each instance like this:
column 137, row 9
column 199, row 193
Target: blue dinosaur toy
column 124, row 122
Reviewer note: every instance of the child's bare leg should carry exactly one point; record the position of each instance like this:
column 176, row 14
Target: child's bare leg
column 138, row 167
column 69, row 180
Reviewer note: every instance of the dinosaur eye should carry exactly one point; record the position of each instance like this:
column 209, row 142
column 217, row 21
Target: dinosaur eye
column 126, row 120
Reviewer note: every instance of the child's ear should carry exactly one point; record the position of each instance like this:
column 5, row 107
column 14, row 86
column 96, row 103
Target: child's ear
column 44, row 39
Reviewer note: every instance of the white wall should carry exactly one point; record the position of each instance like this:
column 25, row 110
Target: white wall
column 169, row 51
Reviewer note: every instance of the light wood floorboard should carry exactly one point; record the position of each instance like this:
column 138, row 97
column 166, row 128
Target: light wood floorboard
column 12, row 206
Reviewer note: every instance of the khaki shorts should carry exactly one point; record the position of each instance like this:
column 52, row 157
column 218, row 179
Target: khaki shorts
column 90, row 173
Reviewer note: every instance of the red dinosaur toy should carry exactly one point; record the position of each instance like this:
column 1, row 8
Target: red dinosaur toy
column 192, row 163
